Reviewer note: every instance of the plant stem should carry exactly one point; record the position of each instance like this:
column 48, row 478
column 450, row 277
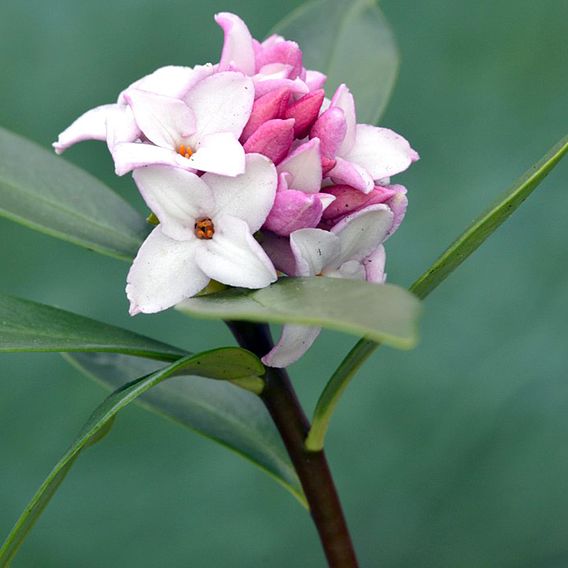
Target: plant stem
column 312, row 468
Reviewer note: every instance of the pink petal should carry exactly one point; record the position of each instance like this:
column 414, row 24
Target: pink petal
column 249, row 196
column 273, row 139
column 349, row 173
column 238, row 52
column 165, row 121
column 315, row 80
column 304, row 167
column 343, row 99
column 269, row 106
column 266, row 82
column 330, row 128
column 234, row 257
column 380, row 151
column 348, row 199
column 163, row 274
column 221, row 103
column 294, row 342
column 286, row 52
column 305, row 112
column 293, row 210
column 89, row 126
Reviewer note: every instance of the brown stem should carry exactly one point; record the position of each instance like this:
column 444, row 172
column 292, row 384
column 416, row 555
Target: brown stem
column 312, row 468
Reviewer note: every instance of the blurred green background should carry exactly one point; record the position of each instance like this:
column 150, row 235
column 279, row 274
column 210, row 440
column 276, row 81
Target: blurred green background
column 454, row 454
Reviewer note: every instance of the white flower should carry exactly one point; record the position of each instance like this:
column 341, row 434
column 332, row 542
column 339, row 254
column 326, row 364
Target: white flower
column 205, row 231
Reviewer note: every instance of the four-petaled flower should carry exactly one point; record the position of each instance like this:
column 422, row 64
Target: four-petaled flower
column 206, row 231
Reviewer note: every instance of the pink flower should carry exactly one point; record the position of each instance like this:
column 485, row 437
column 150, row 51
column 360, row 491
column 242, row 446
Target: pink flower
column 362, row 153
column 273, row 64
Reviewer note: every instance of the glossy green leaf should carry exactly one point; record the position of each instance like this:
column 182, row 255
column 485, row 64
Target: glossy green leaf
column 44, row 192
column 223, row 364
column 383, row 313
column 352, row 43
column 470, row 240
column 29, row 326
column 220, row 411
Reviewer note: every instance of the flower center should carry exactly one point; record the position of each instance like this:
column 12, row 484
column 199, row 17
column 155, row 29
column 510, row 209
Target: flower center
column 185, row 151
column 204, row 228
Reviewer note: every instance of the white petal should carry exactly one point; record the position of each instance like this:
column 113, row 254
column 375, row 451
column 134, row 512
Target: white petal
column 249, row 196
column 294, row 342
column 221, row 103
column 314, row 250
column 233, row 257
column 165, row 121
column 164, row 273
column 344, row 100
column 238, row 51
column 279, row 251
column 304, row 167
column 172, row 80
column 381, row 151
column 89, row 126
column 220, row 153
column 178, row 198
column 375, row 266
column 129, row 156
column 352, row 270
column 362, row 232
column 121, row 126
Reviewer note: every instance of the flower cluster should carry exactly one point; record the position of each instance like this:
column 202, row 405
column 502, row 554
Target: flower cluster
column 250, row 170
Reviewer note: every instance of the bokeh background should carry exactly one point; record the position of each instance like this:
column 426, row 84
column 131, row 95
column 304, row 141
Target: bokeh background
column 454, row 454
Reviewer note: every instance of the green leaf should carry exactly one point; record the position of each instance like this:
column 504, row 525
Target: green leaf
column 227, row 363
column 28, row 326
column 384, row 313
column 485, row 225
column 46, row 193
column 352, row 43
column 470, row 240
column 235, row 418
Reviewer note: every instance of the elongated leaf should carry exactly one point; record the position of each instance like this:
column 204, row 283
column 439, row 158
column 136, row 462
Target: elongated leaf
column 470, row 240
column 28, row 326
column 223, row 364
column 351, row 42
column 48, row 194
column 485, row 225
column 383, row 313
column 218, row 410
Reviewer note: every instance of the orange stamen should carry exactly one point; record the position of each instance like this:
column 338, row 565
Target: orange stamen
column 185, row 151
column 204, row 228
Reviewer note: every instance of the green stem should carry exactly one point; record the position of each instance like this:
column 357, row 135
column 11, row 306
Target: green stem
column 312, row 468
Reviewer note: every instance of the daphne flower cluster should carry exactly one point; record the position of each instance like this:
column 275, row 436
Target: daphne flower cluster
column 251, row 171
